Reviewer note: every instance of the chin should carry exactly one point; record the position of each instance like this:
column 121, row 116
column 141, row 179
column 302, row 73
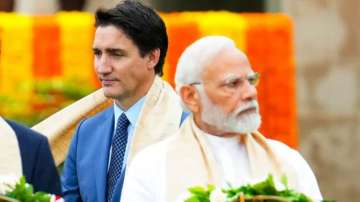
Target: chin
column 110, row 93
column 244, row 124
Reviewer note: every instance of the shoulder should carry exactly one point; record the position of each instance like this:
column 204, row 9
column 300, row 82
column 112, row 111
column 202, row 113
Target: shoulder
column 283, row 150
column 289, row 156
column 151, row 160
column 153, row 153
column 91, row 122
column 295, row 161
column 102, row 115
column 145, row 177
column 91, row 131
column 25, row 134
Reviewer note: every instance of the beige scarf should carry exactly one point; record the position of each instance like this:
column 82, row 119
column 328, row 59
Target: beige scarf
column 159, row 117
column 190, row 161
column 60, row 127
column 10, row 158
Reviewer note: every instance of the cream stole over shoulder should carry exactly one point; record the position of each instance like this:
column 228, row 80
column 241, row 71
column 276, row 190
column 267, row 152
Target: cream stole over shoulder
column 10, row 158
column 60, row 127
column 190, row 162
column 159, row 117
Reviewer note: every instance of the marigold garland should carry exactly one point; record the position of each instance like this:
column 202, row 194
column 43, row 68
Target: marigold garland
column 59, row 46
column 46, row 47
column 16, row 58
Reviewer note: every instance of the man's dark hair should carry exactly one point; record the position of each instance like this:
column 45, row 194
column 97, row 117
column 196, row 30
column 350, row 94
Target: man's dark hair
column 141, row 24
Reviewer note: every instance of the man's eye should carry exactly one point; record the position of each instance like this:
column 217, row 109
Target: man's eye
column 254, row 80
column 117, row 54
column 233, row 84
column 97, row 53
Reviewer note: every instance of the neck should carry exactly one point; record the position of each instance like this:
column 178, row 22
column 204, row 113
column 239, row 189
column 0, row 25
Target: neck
column 126, row 102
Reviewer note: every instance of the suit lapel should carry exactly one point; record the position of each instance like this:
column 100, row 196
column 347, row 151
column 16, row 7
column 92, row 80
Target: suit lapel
column 105, row 131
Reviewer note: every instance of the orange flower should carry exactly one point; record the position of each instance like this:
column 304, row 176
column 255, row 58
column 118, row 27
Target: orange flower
column 46, row 48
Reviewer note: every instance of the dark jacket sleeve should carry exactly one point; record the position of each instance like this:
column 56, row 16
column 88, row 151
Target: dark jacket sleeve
column 37, row 162
column 45, row 177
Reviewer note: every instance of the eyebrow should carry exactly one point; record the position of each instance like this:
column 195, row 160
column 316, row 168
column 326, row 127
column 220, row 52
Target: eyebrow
column 230, row 77
column 110, row 50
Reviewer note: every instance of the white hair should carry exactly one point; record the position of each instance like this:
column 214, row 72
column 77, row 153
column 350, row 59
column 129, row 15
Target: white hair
column 197, row 56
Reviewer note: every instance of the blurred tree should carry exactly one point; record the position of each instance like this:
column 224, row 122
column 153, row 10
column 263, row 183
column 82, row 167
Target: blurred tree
column 6, row 5
column 201, row 5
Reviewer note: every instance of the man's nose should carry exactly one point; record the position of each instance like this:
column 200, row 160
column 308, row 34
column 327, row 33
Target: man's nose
column 249, row 92
column 103, row 64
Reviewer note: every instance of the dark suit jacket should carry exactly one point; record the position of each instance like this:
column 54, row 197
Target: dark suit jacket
column 37, row 162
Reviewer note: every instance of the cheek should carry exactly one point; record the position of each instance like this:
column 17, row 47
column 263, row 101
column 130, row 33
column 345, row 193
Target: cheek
column 225, row 102
column 121, row 67
column 228, row 105
column 127, row 72
column 96, row 64
column 138, row 71
column 234, row 104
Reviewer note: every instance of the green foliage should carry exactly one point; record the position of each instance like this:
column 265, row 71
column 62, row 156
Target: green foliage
column 70, row 89
column 47, row 97
column 264, row 188
column 200, row 194
column 24, row 192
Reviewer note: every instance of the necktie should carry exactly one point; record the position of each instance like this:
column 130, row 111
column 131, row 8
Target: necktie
column 117, row 154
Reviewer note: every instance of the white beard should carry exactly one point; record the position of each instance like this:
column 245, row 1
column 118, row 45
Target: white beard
column 215, row 116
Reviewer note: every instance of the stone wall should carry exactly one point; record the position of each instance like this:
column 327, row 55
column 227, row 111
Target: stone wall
column 327, row 39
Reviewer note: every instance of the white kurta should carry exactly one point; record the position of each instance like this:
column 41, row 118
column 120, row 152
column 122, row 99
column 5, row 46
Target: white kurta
column 225, row 150
column 10, row 156
column 145, row 180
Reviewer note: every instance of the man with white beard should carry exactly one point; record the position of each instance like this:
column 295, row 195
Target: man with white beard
column 219, row 143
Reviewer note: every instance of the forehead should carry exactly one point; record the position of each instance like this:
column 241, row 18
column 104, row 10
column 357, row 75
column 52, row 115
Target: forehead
column 111, row 36
column 228, row 62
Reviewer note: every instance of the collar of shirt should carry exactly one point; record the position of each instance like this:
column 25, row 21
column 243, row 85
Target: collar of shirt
column 132, row 113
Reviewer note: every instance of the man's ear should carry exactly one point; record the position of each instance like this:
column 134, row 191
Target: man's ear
column 190, row 97
column 153, row 58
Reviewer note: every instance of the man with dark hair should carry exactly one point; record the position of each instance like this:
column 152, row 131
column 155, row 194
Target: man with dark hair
column 130, row 46
column 141, row 24
column 26, row 152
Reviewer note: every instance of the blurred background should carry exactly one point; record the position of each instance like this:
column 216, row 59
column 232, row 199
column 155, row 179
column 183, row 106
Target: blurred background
column 325, row 45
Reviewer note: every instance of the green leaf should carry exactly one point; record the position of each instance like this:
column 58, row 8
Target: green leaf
column 284, row 181
column 265, row 188
column 25, row 193
column 200, row 194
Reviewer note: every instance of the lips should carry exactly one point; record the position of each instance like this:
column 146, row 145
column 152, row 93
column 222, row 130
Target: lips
column 249, row 110
column 107, row 82
column 245, row 111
